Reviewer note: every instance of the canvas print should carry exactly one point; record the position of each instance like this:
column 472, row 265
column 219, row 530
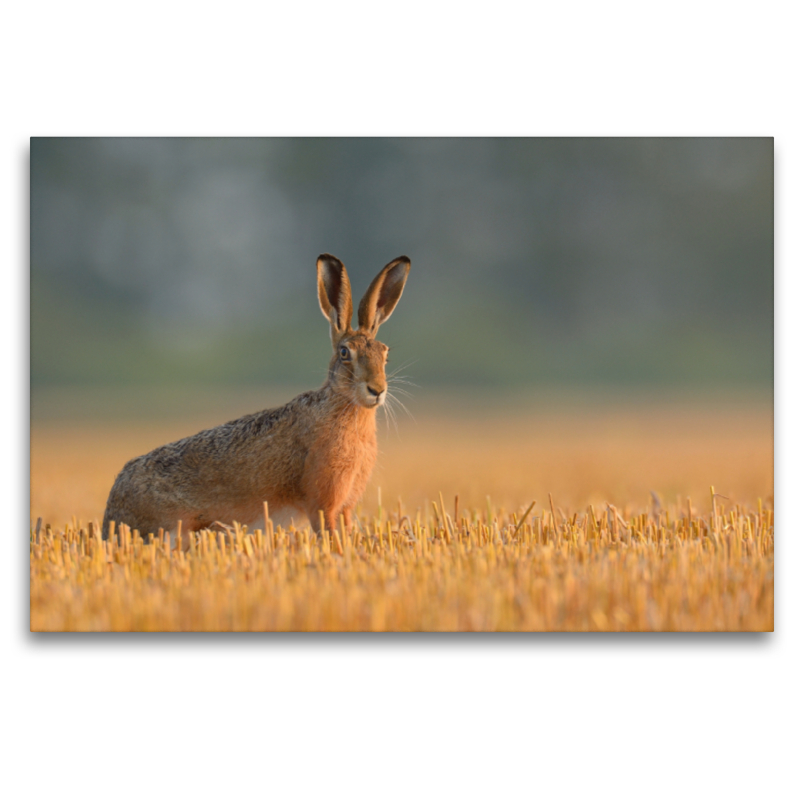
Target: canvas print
column 401, row 385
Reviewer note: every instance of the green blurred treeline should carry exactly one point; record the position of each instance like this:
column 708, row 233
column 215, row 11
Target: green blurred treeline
column 559, row 262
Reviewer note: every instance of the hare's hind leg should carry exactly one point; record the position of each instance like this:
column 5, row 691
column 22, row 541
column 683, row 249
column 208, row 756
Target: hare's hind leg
column 181, row 530
column 284, row 517
column 144, row 524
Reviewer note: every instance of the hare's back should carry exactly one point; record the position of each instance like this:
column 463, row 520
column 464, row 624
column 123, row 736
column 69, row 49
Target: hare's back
column 222, row 473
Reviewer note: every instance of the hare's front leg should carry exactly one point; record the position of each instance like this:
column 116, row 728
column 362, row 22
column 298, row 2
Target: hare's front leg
column 347, row 513
column 329, row 517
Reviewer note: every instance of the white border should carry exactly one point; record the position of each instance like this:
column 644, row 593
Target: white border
column 556, row 716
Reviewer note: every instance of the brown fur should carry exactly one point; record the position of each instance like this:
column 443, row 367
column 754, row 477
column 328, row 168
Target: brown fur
column 313, row 454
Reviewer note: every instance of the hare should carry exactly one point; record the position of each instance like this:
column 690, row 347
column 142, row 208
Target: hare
column 313, row 454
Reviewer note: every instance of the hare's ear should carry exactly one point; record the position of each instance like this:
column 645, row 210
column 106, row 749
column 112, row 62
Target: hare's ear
column 378, row 303
column 335, row 299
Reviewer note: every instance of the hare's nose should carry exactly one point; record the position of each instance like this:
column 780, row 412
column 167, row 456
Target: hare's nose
column 374, row 392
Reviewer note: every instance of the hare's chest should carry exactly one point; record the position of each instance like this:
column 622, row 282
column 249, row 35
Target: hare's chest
column 351, row 455
column 340, row 463
column 353, row 472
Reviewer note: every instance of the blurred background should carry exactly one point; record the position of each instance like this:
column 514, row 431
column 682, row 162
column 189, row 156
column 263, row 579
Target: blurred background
column 587, row 317
column 564, row 263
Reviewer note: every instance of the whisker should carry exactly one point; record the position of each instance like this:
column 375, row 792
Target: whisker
column 402, row 367
column 395, row 400
column 403, row 381
column 393, row 417
column 402, row 405
column 390, row 412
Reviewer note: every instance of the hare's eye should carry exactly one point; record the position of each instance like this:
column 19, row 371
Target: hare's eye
column 344, row 353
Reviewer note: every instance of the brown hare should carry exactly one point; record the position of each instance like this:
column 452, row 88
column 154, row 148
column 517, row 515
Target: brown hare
column 314, row 454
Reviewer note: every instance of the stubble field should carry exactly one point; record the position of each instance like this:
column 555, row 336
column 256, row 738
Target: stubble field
column 624, row 534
